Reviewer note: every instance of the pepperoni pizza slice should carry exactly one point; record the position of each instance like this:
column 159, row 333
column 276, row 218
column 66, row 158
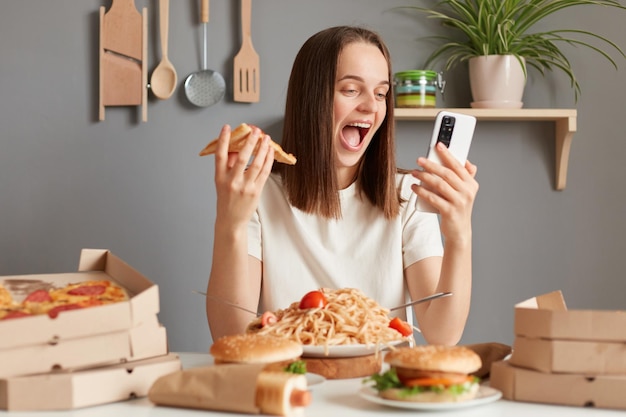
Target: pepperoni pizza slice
column 70, row 297
column 9, row 308
column 6, row 300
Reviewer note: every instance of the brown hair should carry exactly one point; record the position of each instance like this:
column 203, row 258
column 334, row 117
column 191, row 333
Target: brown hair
column 311, row 185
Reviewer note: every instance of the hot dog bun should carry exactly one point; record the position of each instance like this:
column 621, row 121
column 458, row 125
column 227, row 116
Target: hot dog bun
column 237, row 140
column 282, row 394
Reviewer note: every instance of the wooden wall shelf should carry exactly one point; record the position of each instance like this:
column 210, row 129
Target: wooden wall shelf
column 564, row 119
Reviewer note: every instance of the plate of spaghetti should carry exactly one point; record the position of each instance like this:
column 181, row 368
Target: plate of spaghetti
column 344, row 351
column 344, row 323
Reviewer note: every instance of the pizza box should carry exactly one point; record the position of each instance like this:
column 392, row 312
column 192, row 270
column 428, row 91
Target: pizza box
column 146, row 340
column 547, row 316
column 69, row 390
column 94, row 264
column 569, row 356
column 520, row 384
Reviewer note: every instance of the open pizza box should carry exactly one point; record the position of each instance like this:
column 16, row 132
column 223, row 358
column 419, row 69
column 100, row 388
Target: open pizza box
column 77, row 389
column 94, row 336
column 520, row 384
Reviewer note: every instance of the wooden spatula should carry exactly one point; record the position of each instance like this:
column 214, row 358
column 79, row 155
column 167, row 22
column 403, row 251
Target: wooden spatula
column 246, row 77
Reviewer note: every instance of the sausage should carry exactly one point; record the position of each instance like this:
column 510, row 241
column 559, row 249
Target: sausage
column 38, row 296
column 300, row 398
column 88, row 290
column 54, row 312
column 15, row 315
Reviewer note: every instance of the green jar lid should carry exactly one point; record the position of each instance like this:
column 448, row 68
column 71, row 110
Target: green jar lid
column 416, row 74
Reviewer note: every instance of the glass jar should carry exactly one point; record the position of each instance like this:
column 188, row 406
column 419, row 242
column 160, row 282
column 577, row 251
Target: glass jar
column 417, row 88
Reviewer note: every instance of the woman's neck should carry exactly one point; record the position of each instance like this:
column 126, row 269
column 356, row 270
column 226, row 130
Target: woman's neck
column 346, row 176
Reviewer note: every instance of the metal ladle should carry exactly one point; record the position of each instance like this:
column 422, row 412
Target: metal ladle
column 206, row 87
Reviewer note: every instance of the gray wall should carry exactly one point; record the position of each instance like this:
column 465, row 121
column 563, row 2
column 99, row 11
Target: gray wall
column 69, row 181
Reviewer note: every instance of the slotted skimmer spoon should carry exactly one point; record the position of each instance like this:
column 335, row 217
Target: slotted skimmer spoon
column 246, row 79
column 207, row 87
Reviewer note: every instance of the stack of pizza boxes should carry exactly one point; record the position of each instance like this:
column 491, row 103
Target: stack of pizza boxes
column 566, row 357
column 87, row 356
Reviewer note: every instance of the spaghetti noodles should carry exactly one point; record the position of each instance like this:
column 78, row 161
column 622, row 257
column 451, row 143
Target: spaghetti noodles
column 349, row 317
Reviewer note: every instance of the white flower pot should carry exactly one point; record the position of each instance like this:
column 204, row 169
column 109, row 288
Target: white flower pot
column 496, row 81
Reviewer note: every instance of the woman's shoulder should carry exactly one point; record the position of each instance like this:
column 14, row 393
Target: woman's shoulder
column 272, row 190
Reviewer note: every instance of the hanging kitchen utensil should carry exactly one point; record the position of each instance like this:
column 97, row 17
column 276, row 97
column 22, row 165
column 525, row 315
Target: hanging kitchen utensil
column 246, row 80
column 123, row 53
column 207, row 87
column 164, row 78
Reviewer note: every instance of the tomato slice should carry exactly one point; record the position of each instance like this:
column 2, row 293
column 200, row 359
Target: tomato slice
column 446, row 382
column 313, row 299
column 401, row 326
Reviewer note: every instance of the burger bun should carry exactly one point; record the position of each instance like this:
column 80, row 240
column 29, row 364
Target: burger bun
column 254, row 348
column 437, row 358
column 452, row 364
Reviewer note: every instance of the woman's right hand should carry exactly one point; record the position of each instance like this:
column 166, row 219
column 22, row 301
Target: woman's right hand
column 239, row 183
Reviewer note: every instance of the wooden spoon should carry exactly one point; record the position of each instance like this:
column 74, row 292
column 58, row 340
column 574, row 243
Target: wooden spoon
column 163, row 81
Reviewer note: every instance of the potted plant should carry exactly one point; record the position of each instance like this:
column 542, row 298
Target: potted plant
column 485, row 32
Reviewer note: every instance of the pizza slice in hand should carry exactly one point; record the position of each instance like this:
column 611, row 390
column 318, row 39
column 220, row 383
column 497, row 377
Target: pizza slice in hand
column 237, row 140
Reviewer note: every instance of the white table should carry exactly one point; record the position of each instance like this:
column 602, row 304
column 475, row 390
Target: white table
column 332, row 398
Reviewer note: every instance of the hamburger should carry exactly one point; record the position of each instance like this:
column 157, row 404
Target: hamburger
column 255, row 348
column 429, row 373
column 281, row 387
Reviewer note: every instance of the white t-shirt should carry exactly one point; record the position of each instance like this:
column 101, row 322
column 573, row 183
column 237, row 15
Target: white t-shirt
column 303, row 252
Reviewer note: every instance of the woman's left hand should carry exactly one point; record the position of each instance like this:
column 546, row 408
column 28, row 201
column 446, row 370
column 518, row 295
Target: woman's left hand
column 451, row 188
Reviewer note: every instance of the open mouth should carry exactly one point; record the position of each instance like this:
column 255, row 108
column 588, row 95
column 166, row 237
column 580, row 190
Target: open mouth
column 354, row 133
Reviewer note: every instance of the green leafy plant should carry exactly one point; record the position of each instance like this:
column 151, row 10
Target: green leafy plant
column 502, row 27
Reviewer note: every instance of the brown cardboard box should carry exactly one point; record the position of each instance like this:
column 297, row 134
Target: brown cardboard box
column 569, row 356
column 92, row 336
column 605, row 391
column 141, row 342
column 547, row 316
column 68, row 390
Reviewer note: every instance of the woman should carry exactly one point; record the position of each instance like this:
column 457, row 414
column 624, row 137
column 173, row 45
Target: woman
column 344, row 215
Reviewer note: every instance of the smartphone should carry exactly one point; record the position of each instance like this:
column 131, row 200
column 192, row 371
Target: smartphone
column 456, row 131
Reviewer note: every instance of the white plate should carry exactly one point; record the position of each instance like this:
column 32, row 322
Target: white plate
column 313, row 379
column 344, row 351
column 485, row 395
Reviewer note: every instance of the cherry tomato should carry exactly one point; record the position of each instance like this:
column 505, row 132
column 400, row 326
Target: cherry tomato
column 401, row 326
column 313, row 299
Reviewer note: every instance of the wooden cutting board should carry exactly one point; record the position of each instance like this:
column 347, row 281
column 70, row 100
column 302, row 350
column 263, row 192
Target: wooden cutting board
column 344, row 368
column 123, row 57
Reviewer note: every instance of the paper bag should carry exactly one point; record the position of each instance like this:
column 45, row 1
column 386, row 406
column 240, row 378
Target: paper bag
column 225, row 388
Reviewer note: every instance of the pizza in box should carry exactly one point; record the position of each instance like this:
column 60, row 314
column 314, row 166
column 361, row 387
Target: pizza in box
column 54, row 300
